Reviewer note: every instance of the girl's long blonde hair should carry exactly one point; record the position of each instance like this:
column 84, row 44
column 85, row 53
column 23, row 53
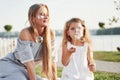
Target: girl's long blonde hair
column 67, row 38
column 46, row 48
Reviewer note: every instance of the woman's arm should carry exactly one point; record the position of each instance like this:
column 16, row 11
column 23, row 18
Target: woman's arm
column 54, row 70
column 91, row 63
column 30, row 65
column 31, row 70
column 54, row 66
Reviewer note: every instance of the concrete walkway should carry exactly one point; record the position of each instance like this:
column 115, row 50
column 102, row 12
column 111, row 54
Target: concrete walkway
column 107, row 66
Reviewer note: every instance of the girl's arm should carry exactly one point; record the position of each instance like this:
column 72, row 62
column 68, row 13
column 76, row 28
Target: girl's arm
column 66, row 54
column 91, row 63
column 31, row 70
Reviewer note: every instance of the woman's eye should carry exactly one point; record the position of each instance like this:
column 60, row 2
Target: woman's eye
column 41, row 16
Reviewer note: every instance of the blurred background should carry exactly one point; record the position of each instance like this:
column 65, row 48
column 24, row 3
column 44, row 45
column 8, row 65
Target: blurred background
column 102, row 18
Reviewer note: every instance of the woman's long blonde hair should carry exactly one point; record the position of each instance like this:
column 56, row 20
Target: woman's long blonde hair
column 67, row 38
column 46, row 48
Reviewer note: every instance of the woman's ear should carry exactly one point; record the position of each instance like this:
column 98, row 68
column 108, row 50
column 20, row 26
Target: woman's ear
column 67, row 33
column 33, row 18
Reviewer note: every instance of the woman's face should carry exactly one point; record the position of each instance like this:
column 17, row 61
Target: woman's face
column 42, row 17
column 75, row 30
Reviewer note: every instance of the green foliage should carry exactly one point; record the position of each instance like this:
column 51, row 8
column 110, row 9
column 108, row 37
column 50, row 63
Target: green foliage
column 101, row 25
column 8, row 28
column 106, row 76
column 38, row 71
column 115, row 31
column 107, row 56
column 98, row 75
column 59, row 71
column 117, row 4
column 113, row 20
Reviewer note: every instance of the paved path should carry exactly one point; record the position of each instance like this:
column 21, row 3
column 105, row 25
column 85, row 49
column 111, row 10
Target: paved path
column 104, row 66
column 107, row 66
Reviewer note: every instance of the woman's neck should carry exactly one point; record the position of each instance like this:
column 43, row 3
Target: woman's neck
column 39, row 30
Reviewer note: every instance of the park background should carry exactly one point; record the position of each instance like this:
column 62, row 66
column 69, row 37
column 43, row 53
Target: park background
column 102, row 17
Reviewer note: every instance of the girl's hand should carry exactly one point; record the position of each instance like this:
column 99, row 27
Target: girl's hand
column 92, row 67
column 72, row 50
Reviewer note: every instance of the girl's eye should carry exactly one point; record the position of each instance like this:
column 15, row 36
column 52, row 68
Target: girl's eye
column 72, row 28
column 78, row 28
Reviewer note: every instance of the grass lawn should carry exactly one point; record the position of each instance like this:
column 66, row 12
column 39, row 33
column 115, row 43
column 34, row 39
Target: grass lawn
column 106, row 76
column 107, row 56
column 98, row 55
column 98, row 75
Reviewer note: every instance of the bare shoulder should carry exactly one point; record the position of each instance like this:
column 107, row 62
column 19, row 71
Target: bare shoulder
column 89, row 47
column 25, row 34
column 52, row 33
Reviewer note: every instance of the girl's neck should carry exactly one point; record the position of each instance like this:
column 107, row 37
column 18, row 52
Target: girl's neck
column 77, row 43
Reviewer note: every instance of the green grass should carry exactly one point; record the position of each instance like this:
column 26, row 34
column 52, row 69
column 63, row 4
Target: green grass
column 106, row 76
column 107, row 56
column 98, row 55
column 38, row 69
column 97, row 75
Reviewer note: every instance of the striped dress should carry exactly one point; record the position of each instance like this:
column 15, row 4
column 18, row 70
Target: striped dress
column 12, row 66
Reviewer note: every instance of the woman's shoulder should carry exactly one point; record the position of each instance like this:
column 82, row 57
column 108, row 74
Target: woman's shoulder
column 25, row 34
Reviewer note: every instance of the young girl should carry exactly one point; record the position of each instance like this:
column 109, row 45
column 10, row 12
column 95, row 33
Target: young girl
column 77, row 55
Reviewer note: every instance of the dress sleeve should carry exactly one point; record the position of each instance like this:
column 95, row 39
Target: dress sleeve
column 54, row 51
column 23, row 51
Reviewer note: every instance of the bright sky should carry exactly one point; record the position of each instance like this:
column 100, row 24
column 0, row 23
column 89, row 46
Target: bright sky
column 15, row 12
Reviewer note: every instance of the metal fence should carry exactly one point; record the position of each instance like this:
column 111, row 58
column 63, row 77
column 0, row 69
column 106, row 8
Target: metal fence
column 7, row 45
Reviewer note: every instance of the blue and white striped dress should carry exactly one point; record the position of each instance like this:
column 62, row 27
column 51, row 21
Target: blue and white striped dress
column 12, row 66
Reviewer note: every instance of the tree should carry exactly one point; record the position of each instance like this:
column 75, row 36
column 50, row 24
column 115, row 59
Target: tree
column 8, row 28
column 113, row 20
column 117, row 4
column 101, row 25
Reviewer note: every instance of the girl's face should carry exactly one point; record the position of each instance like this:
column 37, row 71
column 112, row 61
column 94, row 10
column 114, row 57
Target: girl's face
column 75, row 30
column 42, row 17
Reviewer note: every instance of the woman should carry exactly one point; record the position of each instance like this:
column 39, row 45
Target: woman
column 34, row 44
